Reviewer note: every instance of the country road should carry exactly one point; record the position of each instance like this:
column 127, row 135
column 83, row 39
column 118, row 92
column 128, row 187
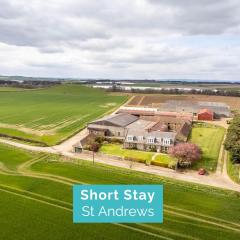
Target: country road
column 216, row 180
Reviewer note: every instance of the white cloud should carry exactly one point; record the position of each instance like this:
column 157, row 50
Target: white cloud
column 120, row 39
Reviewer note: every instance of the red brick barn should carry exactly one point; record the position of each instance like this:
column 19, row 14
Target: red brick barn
column 205, row 115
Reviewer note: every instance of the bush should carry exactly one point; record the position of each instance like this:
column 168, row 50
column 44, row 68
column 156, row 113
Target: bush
column 135, row 159
column 172, row 165
column 115, row 140
column 160, row 164
column 100, row 139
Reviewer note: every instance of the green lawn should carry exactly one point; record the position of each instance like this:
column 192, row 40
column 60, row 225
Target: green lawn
column 32, row 218
column 117, row 150
column 233, row 170
column 163, row 158
column 209, row 138
column 51, row 115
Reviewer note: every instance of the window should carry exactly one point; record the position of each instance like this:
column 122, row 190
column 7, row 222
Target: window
column 140, row 138
column 166, row 141
column 130, row 138
column 150, row 140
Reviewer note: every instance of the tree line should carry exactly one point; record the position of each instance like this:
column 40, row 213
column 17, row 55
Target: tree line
column 28, row 84
column 232, row 142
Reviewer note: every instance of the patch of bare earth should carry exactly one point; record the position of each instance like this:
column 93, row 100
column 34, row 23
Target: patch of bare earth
column 155, row 100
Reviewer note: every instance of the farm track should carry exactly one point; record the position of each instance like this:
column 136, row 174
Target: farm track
column 24, row 170
column 191, row 176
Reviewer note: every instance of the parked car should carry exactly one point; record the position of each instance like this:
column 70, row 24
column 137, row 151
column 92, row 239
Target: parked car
column 202, row 171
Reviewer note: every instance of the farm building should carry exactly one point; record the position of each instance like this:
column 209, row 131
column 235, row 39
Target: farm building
column 112, row 125
column 149, row 141
column 155, row 135
column 143, row 134
column 205, row 115
column 219, row 109
column 154, row 113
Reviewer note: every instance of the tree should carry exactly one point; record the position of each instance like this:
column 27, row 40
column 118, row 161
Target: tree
column 232, row 142
column 94, row 147
column 185, row 153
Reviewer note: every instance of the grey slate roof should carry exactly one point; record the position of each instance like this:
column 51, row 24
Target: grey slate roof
column 140, row 124
column 217, row 107
column 155, row 134
column 121, row 119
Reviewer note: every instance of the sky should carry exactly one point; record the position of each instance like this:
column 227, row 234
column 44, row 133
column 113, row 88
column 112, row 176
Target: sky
column 121, row 39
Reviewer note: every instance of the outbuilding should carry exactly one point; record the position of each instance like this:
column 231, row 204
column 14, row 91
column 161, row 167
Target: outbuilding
column 205, row 115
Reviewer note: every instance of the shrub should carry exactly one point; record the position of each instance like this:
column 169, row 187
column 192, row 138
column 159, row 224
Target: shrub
column 160, row 164
column 135, row 159
column 115, row 140
column 99, row 139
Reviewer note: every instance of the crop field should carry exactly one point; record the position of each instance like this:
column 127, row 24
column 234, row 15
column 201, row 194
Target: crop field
column 48, row 116
column 158, row 99
column 209, row 138
column 36, row 196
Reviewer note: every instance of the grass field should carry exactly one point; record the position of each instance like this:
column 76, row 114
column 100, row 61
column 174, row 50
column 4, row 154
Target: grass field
column 209, row 138
column 39, row 203
column 50, row 115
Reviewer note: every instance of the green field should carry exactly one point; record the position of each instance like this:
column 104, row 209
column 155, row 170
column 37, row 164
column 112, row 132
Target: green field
column 209, row 138
column 36, row 194
column 51, row 115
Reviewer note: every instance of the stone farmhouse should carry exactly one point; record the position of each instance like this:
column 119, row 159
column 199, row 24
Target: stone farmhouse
column 142, row 132
column 112, row 125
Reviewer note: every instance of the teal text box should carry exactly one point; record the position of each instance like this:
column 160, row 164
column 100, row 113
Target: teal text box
column 117, row 203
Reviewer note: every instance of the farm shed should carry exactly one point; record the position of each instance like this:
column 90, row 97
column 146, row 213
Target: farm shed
column 205, row 114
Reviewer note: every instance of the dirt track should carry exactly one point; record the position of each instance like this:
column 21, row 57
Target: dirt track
column 65, row 149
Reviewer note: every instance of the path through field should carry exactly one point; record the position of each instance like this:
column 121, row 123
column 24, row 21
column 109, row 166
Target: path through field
column 65, row 149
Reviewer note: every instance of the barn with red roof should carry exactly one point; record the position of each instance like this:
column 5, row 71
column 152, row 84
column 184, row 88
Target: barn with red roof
column 205, row 115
